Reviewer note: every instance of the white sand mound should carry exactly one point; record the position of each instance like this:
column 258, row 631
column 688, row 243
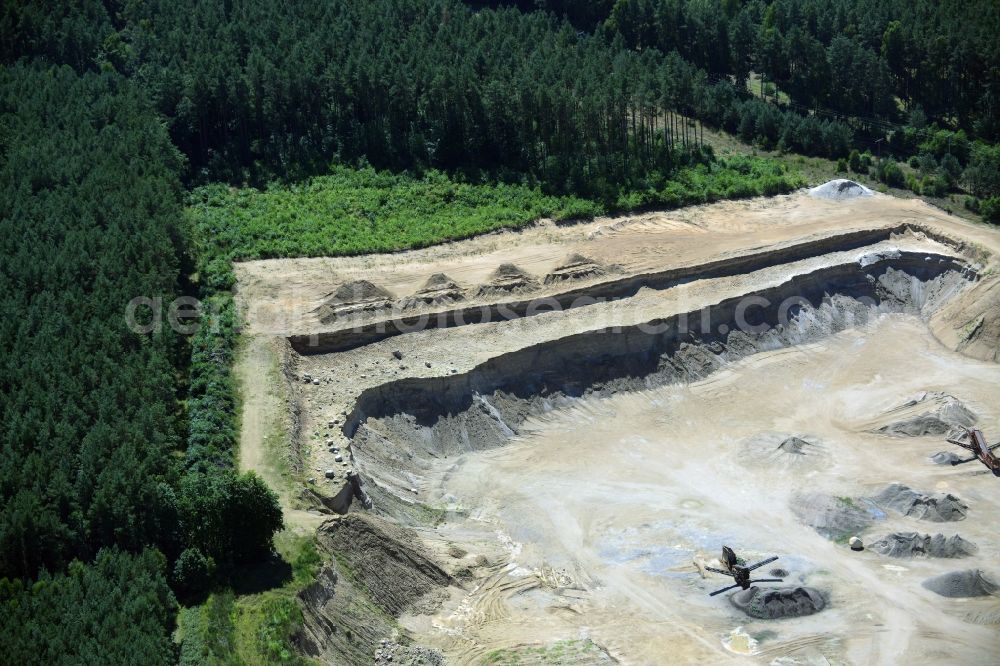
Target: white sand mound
column 840, row 188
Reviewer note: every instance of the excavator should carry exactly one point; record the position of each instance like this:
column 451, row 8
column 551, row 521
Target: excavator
column 740, row 572
column 974, row 440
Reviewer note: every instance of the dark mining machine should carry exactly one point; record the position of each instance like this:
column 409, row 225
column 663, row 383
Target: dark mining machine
column 740, row 571
column 974, row 440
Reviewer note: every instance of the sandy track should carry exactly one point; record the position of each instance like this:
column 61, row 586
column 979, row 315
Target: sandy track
column 264, row 424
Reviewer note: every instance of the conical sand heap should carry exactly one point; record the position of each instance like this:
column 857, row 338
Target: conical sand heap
column 507, row 278
column 439, row 288
column 575, row 267
column 353, row 298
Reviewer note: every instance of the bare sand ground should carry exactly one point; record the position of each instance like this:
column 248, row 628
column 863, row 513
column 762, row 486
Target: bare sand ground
column 590, row 525
column 604, row 506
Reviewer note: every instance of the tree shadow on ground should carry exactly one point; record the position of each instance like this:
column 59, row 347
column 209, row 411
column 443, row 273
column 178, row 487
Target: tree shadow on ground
column 268, row 574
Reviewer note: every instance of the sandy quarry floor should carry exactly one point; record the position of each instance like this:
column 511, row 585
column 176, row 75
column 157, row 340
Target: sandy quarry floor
column 613, row 498
column 587, row 527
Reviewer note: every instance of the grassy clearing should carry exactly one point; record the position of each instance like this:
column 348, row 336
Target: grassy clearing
column 756, row 86
column 251, row 629
column 360, row 211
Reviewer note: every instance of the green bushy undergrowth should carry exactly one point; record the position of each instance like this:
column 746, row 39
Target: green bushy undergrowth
column 359, row 211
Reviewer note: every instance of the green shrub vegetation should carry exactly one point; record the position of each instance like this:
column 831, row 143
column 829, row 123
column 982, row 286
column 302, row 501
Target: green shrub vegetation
column 889, row 173
column 982, row 177
column 208, row 632
column 355, row 211
column 211, row 399
column 254, row 628
column 989, row 208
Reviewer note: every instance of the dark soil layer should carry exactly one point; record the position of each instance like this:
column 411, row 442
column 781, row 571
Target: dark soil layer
column 380, row 572
column 438, row 289
column 507, row 278
column 575, row 267
column 773, row 603
column 358, row 291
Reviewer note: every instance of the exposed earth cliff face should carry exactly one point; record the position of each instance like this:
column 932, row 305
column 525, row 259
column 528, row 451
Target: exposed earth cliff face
column 380, row 571
column 585, row 414
column 400, row 427
column 971, row 322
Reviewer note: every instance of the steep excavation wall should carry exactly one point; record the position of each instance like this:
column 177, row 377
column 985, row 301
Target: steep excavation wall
column 350, row 337
column 399, row 427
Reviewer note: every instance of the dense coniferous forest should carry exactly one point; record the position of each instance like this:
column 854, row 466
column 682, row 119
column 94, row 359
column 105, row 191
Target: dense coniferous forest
column 82, row 400
column 119, row 496
column 92, row 412
column 253, row 90
column 871, row 59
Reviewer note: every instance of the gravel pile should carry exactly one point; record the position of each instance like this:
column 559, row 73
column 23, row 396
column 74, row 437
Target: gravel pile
column 961, row 584
column 938, row 508
column 507, row 278
column 359, row 291
column 778, row 450
column 945, row 458
column 929, row 414
column 833, row 517
column 912, row 544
